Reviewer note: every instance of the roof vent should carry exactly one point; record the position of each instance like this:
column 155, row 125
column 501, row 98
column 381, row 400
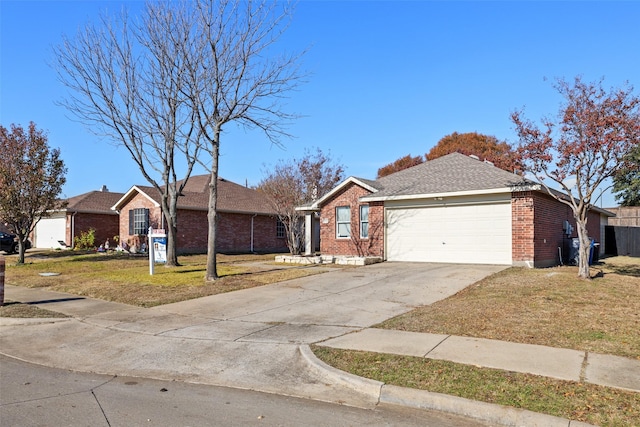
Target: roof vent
column 104, row 189
column 473, row 156
column 488, row 162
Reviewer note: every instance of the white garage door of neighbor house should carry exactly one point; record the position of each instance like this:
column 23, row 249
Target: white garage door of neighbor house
column 49, row 231
column 473, row 233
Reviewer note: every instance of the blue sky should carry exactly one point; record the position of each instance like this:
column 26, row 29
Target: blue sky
column 387, row 78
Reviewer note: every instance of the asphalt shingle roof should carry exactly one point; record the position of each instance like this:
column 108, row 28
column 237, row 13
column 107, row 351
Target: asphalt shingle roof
column 94, row 201
column 232, row 197
column 454, row 172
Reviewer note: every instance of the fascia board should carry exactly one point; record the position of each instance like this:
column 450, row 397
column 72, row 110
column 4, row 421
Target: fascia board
column 350, row 180
column 373, row 198
column 127, row 196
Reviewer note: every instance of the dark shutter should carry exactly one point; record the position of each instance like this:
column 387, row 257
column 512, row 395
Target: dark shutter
column 131, row 222
column 146, row 221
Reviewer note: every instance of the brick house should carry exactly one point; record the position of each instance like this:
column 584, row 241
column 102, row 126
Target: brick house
column 86, row 211
column 246, row 220
column 454, row 209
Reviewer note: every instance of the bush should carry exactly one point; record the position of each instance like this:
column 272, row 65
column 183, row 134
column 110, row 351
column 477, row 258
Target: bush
column 85, row 240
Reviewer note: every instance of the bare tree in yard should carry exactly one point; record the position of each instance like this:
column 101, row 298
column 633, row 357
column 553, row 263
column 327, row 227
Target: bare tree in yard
column 239, row 78
column 128, row 82
column 31, row 179
column 587, row 143
column 297, row 182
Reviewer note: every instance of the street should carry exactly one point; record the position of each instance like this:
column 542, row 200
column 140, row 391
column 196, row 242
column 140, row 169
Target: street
column 33, row 395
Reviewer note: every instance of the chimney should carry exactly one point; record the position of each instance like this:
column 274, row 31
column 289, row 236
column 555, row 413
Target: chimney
column 104, row 189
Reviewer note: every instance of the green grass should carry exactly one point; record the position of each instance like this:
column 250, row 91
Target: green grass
column 576, row 401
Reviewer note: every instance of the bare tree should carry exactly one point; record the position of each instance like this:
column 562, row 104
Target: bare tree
column 596, row 129
column 128, row 81
column 31, row 179
column 297, row 182
column 239, row 78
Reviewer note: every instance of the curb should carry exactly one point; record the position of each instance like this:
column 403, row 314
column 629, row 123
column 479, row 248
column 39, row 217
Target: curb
column 421, row 399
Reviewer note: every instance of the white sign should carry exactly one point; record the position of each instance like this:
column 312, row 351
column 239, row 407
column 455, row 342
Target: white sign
column 157, row 247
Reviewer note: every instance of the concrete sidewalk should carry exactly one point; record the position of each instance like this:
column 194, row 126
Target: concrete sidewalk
column 563, row 364
column 258, row 339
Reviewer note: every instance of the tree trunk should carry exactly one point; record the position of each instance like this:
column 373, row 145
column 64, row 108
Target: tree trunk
column 21, row 249
column 170, row 213
column 212, row 271
column 2, row 270
column 584, row 250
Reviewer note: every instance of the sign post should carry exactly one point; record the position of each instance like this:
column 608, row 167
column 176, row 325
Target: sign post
column 157, row 247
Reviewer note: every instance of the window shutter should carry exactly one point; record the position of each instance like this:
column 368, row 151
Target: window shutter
column 146, row 221
column 131, row 220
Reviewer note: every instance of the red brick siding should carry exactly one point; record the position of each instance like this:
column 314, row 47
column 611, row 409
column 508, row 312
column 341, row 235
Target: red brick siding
column 331, row 245
column 233, row 233
column 522, row 227
column 105, row 226
column 155, row 219
column 537, row 224
column 193, row 230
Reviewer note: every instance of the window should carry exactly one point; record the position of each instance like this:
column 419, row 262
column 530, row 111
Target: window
column 279, row 229
column 364, row 221
column 138, row 221
column 343, row 221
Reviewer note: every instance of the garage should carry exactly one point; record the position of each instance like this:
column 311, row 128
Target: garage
column 49, row 231
column 476, row 231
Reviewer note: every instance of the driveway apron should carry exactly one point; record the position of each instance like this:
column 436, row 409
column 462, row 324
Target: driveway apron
column 247, row 339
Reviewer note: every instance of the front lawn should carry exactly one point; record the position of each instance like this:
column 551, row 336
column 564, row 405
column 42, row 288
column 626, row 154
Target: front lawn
column 123, row 278
column 549, row 307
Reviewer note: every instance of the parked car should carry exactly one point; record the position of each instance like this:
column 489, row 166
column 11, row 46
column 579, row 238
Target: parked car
column 9, row 243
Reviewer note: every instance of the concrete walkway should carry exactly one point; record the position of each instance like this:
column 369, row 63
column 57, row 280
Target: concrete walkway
column 258, row 339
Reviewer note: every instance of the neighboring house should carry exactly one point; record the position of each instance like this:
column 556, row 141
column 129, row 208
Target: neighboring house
column 454, row 209
column 87, row 211
column 246, row 220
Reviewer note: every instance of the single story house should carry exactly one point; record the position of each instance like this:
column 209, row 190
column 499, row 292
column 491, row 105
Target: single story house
column 454, row 209
column 83, row 212
column 246, row 220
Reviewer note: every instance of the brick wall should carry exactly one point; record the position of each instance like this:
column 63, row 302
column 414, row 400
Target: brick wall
column 233, row 233
column 155, row 219
column 537, row 224
column 106, row 226
column 331, row 245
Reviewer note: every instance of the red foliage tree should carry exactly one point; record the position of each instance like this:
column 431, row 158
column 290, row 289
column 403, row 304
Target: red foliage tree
column 594, row 131
column 400, row 164
column 486, row 147
column 31, row 179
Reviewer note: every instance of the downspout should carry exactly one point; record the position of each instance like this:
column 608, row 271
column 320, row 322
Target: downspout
column 73, row 230
column 254, row 215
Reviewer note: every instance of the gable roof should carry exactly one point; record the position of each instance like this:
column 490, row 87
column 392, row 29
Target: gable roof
column 232, row 197
column 365, row 183
column 453, row 173
column 93, row 202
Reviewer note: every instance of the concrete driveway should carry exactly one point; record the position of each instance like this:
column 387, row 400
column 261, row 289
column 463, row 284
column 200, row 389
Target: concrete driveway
column 246, row 339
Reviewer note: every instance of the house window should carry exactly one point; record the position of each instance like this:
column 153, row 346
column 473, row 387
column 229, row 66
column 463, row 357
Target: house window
column 280, row 229
column 364, row 221
column 343, row 221
column 138, row 221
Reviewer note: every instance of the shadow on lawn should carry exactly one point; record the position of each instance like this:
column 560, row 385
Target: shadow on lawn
column 625, row 270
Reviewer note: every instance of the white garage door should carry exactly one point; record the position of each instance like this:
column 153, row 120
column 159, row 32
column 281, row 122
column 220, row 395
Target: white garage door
column 49, row 231
column 473, row 233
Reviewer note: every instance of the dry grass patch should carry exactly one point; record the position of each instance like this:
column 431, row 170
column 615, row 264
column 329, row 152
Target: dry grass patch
column 19, row 310
column 576, row 401
column 543, row 306
column 126, row 279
